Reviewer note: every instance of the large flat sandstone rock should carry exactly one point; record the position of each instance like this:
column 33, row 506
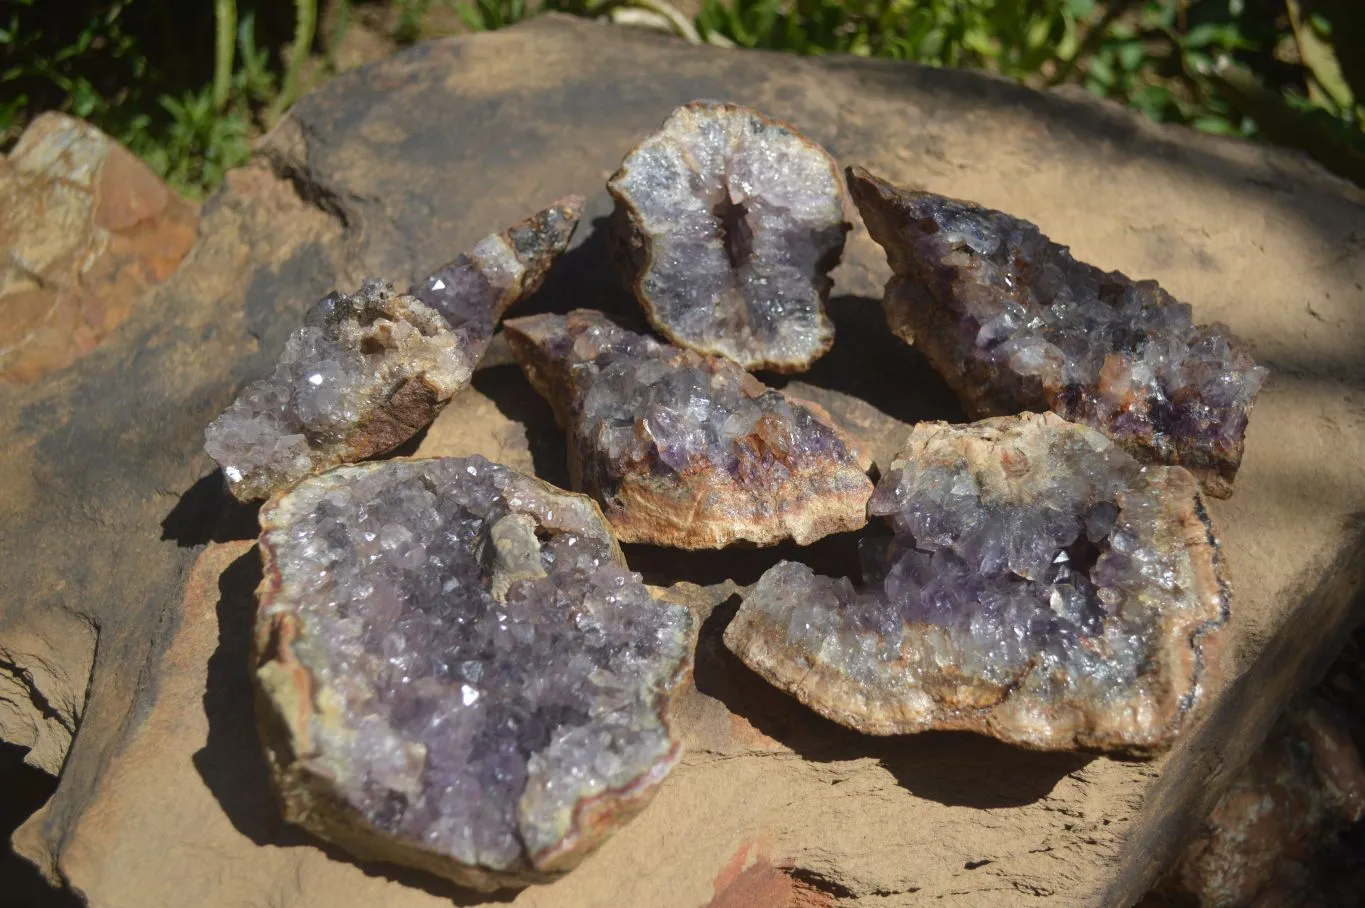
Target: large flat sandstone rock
column 118, row 538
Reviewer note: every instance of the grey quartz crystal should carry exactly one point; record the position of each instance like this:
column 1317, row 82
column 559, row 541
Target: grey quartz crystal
column 728, row 223
column 455, row 671
column 1014, row 323
column 368, row 370
column 1040, row 586
column 684, row 449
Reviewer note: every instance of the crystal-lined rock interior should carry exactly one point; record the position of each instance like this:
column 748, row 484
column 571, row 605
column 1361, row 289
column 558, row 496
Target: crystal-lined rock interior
column 1014, row 323
column 728, row 223
column 1040, row 586
column 457, row 672
column 684, row 449
column 368, row 370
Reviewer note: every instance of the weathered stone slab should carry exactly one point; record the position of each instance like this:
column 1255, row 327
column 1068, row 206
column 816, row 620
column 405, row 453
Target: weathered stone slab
column 88, row 229
column 109, row 503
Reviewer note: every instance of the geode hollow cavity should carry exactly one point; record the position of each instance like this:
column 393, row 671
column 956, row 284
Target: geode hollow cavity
column 1014, row 323
column 369, row 370
column 684, row 449
column 456, row 672
column 727, row 224
column 1041, row 586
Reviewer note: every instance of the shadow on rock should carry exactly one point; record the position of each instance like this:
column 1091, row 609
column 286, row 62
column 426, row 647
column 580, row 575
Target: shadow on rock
column 232, row 763
column 585, row 277
column 868, row 362
column 836, row 555
column 26, row 789
column 514, row 397
column 952, row 768
column 207, row 513
column 407, row 448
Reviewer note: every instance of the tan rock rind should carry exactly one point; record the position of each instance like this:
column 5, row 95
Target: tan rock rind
column 912, row 693
column 699, row 507
column 290, row 705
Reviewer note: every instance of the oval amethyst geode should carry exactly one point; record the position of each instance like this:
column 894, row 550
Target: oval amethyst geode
column 727, row 225
column 456, row 672
column 1041, row 586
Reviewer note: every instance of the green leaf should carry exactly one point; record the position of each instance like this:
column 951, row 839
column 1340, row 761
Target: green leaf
column 1347, row 18
column 84, row 98
column 1131, row 56
column 1216, row 125
column 1224, row 35
column 1336, row 146
column 1101, row 71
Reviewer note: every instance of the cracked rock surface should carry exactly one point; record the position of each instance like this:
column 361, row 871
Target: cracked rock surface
column 1041, row 586
column 688, row 450
column 456, row 672
column 728, row 224
column 369, row 370
column 1014, row 323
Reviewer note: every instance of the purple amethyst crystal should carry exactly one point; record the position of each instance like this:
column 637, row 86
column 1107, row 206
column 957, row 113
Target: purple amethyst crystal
column 368, row 370
column 684, row 449
column 456, row 672
column 1040, row 586
column 729, row 223
column 1014, row 323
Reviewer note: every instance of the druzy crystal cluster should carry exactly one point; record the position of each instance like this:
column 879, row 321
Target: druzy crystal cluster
column 1040, row 585
column 366, row 371
column 457, row 671
column 1014, row 323
column 685, row 449
column 728, row 223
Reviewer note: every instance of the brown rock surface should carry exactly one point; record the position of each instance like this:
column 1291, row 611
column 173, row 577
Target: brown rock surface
column 1272, row 839
column 89, row 229
column 163, row 791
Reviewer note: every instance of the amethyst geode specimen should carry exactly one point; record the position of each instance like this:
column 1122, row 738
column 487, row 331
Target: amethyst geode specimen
column 1014, row 323
column 368, row 370
column 727, row 224
column 1041, row 586
column 684, row 449
column 456, row 672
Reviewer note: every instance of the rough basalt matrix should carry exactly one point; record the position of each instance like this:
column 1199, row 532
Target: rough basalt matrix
column 727, row 224
column 369, row 370
column 684, row 449
column 456, row 672
column 1014, row 323
column 1040, row 586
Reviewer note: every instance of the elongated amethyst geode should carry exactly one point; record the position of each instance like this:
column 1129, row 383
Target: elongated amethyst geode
column 455, row 671
column 1041, row 586
column 369, row 370
column 1014, row 323
column 684, row 449
column 727, row 224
